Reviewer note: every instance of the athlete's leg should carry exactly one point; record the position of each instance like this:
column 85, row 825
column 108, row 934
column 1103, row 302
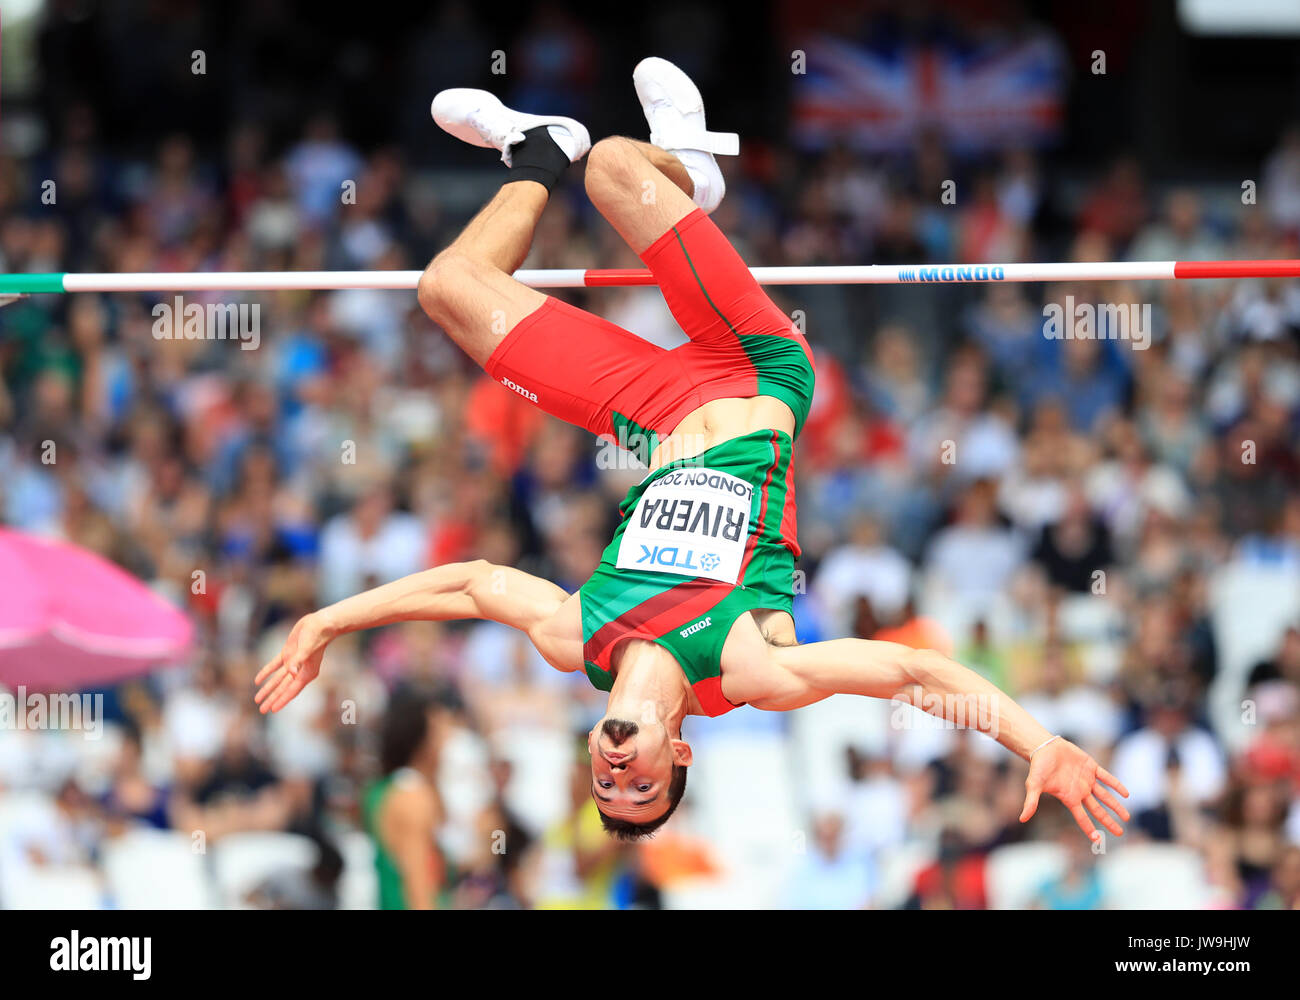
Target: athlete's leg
column 641, row 190
column 657, row 195
column 570, row 363
column 645, row 188
column 742, row 343
column 468, row 289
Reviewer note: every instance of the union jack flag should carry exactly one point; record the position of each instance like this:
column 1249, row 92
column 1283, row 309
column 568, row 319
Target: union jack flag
column 996, row 95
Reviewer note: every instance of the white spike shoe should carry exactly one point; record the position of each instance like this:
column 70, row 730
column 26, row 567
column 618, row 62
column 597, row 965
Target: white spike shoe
column 674, row 110
column 479, row 118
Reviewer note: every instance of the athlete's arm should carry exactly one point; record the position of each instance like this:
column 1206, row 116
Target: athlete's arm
column 936, row 684
column 475, row 589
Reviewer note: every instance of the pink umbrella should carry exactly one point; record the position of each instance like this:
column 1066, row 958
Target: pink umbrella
column 70, row 618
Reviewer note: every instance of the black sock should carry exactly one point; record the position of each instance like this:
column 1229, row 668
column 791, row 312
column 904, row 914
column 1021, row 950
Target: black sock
column 538, row 158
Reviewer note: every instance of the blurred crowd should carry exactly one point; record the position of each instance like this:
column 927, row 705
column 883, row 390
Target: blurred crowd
column 1111, row 534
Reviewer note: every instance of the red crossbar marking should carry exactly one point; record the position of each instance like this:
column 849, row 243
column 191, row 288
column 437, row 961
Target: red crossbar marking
column 1236, row 268
column 617, row 276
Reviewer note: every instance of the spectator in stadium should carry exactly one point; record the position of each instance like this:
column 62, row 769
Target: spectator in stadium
column 829, row 875
column 402, row 808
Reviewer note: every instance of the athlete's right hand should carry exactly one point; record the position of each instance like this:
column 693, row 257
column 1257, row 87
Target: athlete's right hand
column 294, row 667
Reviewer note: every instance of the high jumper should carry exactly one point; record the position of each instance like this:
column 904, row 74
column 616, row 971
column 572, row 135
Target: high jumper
column 689, row 610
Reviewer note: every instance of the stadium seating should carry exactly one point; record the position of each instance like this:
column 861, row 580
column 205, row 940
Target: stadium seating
column 1153, row 877
column 157, row 870
column 241, row 860
column 1015, row 873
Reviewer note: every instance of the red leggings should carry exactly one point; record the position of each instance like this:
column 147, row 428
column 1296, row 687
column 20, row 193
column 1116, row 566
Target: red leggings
column 593, row 373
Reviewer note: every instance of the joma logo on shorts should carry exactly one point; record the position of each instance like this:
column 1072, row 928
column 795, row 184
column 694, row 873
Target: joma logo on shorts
column 530, row 396
column 697, row 627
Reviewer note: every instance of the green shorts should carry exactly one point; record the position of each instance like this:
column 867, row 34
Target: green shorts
column 703, row 540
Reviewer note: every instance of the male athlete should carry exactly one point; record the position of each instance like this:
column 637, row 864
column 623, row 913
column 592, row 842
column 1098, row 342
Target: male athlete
column 688, row 612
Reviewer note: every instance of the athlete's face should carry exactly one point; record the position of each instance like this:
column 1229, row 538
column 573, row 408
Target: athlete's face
column 631, row 767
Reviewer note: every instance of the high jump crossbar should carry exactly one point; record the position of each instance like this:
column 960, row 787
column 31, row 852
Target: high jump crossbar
column 868, row 274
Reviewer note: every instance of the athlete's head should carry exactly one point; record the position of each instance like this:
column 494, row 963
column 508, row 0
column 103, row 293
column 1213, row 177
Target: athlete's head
column 408, row 735
column 638, row 775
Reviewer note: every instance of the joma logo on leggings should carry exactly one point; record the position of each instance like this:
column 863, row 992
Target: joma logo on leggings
column 530, row 396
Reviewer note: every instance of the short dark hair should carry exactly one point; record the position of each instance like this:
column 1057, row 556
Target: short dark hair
column 626, row 830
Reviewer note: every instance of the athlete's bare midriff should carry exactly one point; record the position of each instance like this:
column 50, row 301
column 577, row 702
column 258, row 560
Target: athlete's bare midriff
column 721, row 420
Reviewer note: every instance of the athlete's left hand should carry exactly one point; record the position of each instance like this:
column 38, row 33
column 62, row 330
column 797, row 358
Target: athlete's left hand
column 1065, row 771
column 294, row 667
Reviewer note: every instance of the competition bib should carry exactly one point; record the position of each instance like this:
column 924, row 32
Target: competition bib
column 691, row 522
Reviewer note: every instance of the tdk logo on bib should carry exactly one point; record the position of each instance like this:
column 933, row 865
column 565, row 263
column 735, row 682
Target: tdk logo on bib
column 691, row 522
column 672, row 556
